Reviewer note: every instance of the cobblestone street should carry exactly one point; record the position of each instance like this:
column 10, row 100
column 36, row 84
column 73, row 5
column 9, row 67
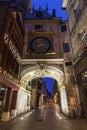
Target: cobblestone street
column 45, row 118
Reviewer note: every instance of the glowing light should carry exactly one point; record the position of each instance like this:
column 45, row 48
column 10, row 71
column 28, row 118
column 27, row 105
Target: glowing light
column 27, row 115
column 22, row 118
column 64, row 103
column 58, row 116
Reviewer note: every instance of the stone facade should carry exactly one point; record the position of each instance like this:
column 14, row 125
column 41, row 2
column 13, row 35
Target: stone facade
column 77, row 13
column 47, row 38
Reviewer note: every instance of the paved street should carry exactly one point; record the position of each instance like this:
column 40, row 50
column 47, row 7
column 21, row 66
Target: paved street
column 45, row 118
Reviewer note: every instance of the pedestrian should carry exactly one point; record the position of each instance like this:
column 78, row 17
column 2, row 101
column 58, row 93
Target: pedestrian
column 75, row 112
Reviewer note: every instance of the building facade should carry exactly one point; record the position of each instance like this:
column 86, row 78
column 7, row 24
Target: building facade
column 41, row 49
column 77, row 13
column 11, row 49
column 37, row 92
column 47, row 50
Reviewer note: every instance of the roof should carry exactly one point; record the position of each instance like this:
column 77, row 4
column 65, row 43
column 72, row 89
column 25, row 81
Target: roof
column 39, row 14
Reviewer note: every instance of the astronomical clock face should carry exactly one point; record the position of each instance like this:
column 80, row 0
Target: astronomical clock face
column 40, row 45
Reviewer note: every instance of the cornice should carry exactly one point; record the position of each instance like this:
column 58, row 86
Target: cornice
column 41, row 34
column 56, row 20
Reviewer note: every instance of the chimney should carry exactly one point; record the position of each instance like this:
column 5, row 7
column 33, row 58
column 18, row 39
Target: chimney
column 54, row 13
column 33, row 7
column 46, row 7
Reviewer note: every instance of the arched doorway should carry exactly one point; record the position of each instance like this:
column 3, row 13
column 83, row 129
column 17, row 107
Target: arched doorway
column 42, row 71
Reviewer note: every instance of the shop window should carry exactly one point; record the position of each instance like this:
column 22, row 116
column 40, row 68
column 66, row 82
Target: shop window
column 63, row 28
column 68, row 63
column 66, row 47
column 3, row 92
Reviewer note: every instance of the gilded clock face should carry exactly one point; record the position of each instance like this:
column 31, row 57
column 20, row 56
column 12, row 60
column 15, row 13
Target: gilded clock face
column 40, row 45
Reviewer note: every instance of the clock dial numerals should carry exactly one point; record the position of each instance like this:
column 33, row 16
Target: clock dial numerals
column 40, row 45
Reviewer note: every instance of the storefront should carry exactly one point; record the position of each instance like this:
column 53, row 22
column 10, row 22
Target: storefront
column 23, row 101
column 8, row 98
column 3, row 93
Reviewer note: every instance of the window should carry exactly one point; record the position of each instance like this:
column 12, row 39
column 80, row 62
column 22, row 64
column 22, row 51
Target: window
column 86, row 2
column 84, row 76
column 63, row 28
column 74, row 3
column 66, row 47
column 77, row 12
column 38, row 27
column 83, row 36
column 68, row 63
column 32, row 83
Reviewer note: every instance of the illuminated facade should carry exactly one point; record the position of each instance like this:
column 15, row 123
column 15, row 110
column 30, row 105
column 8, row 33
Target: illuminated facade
column 41, row 49
column 34, row 85
column 77, row 13
column 37, row 92
column 55, row 93
column 11, row 49
column 43, row 93
column 47, row 53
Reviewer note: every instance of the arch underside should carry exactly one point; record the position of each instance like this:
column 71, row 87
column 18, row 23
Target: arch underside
column 35, row 72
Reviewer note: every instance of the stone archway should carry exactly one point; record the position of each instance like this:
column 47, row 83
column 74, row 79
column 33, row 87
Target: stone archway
column 44, row 70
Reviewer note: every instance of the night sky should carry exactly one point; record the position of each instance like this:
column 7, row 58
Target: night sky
column 52, row 4
column 50, row 83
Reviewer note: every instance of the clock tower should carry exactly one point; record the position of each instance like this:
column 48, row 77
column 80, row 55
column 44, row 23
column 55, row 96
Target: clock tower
column 47, row 53
column 43, row 33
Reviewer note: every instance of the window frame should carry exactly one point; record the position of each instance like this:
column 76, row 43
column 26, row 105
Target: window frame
column 66, row 47
column 63, row 28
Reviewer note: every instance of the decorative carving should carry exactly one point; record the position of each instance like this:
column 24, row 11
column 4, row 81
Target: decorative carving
column 42, row 65
column 40, row 45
